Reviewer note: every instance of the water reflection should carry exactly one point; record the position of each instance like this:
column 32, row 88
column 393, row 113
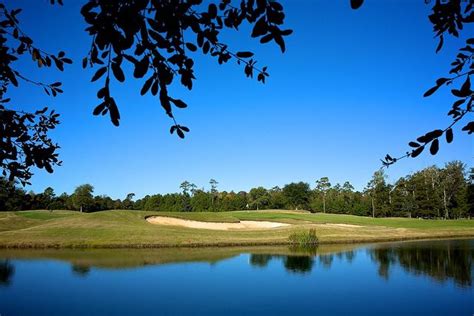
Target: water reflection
column 295, row 264
column 7, row 270
column 442, row 261
column 80, row 270
column 298, row 264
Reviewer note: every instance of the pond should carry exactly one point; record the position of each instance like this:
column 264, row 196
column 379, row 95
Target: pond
column 405, row 278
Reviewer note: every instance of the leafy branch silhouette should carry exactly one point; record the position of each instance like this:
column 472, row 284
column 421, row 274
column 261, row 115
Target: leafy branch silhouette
column 151, row 36
column 25, row 142
column 448, row 17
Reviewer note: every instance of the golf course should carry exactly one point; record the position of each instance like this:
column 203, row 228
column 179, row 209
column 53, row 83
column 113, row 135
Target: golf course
column 140, row 229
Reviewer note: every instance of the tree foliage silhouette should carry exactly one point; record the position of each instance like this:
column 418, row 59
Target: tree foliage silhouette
column 24, row 140
column 156, row 37
column 449, row 19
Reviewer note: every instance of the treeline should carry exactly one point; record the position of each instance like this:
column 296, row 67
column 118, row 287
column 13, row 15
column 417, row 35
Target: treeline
column 433, row 192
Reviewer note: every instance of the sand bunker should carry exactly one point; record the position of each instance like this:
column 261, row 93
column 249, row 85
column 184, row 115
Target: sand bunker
column 343, row 225
column 171, row 221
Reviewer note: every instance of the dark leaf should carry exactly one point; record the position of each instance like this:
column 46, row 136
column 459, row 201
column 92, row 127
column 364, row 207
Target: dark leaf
column 469, row 128
column 440, row 44
column 417, row 152
column 98, row 109
column 431, row 91
column 280, row 41
column 434, row 147
column 260, row 28
column 449, row 135
column 99, row 73
column 141, row 68
column 147, row 85
column 118, row 73
column 114, row 112
column 356, row 4
column 179, row 103
column 267, row 38
column 244, row 54
column 191, row 47
column 466, row 87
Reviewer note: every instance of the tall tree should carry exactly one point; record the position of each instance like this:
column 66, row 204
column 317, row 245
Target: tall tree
column 378, row 191
column 323, row 185
column 128, row 201
column 452, row 183
column 297, row 195
column 213, row 192
column 82, row 198
column 470, row 194
column 259, row 198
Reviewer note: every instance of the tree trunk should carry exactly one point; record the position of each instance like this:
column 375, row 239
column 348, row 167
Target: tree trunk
column 81, row 208
column 373, row 208
column 324, row 202
column 446, row 213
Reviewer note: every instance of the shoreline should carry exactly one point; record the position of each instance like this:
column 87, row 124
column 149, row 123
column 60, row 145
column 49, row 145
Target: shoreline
column 228, row 244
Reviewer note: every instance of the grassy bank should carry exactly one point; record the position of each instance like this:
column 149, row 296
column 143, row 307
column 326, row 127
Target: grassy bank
column 30, row 229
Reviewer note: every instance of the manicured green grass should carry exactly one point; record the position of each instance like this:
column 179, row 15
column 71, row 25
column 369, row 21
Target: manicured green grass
column 130, row 229
column 322, row 218
column 45, row 215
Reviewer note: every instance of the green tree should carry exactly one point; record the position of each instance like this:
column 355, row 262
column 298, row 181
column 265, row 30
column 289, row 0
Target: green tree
column 128, row 201
column 153, row 203
column 297, row 195
column 259, row 198
column 82, row 198
column 323, row 185
column 187, row 189
column 378, row 190
column 277, row 198
column 347, row 193
column 453, row 185
column 214, row 193
column 201, row 201
column 470, row 193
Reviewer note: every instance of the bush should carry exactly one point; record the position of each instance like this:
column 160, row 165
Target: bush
column 304, row 238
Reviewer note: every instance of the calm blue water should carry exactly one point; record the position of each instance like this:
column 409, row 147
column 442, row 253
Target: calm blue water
column 416, row 278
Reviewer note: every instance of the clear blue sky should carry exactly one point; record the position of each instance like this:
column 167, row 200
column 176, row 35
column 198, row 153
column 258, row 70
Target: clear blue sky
column 347, row 91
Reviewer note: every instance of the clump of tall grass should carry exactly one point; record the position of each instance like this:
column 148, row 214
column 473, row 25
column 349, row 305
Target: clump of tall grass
column 304, row 238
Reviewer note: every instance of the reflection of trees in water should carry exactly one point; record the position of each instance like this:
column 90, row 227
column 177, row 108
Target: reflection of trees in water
column 260, row 260
column 80, row 270
column 441, row 261
column 7, row 270
column 326, row 260
column 349, row 255
column 295, row 264
column 299, row 262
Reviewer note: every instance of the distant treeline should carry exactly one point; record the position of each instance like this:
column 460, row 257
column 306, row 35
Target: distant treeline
column 430, row 193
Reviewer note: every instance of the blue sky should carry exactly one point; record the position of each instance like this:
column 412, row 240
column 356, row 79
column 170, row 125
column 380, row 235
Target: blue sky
column 347, row 91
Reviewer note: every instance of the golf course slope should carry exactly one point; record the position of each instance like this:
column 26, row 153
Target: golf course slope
column 131, row 229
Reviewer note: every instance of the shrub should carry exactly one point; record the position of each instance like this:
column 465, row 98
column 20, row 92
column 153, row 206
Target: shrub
column 304, row 238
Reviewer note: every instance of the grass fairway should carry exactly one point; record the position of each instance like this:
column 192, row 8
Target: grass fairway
column 28, row 229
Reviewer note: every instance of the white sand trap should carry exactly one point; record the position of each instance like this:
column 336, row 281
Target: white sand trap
column 171, row 221
column 343, row 225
